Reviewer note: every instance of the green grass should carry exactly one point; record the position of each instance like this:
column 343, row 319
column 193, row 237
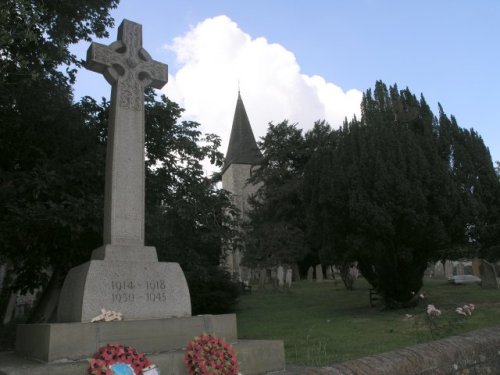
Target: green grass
column 322, row 324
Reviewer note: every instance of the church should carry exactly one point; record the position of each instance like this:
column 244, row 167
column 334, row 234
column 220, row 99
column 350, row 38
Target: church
column 241, row 157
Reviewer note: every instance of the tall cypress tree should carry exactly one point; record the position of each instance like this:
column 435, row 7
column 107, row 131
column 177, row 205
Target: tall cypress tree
column 387, row 192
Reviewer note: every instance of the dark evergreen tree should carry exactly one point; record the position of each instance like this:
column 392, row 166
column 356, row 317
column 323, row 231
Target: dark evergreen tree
column 470, row 166
column 381, row 193
column 275, row 233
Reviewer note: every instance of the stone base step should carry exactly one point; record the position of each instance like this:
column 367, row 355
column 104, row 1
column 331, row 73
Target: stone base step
column 254, row 357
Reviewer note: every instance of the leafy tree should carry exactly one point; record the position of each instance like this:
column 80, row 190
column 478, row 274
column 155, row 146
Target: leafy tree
column 187, row 215
column 45, row 207
column 35, row 36
column 275, row 232
column 52, row 159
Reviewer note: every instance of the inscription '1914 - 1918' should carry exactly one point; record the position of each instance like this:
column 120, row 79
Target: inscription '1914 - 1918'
column 128, row 291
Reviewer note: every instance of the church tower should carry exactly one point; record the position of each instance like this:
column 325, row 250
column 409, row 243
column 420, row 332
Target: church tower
column 242, row 154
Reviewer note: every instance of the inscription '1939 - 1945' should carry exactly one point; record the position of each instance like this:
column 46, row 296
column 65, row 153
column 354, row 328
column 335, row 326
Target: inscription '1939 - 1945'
column 128, row 291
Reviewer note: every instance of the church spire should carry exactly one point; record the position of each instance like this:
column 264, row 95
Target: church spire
column 242, row 148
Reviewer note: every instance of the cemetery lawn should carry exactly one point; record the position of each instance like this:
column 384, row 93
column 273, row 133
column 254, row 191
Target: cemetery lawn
column 322, row 324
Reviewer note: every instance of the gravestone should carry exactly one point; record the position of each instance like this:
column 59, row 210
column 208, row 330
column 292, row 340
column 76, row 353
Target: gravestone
column 262, row 277
column 319, row 273
column 329, row 273
column 354, row 272
column 124, row 275
column 460, row 268
column 448, row 269
column 310, row 273
column 476, row 264
column 439, row 270
column 288, row 278
column 489, row 278
column 468, row 270
column 274, row 277
column 280, row 274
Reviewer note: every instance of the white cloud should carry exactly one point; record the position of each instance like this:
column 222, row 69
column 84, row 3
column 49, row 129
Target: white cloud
column 216, row 54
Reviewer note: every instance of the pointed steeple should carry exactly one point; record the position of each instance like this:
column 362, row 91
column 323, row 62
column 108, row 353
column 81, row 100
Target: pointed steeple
column 242, row 148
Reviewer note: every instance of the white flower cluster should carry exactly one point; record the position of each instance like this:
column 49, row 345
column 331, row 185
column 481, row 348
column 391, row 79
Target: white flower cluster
column 466, row 310
column 107, row 316
column 433, row 311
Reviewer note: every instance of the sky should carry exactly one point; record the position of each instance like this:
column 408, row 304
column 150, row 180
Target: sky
column 306, row 60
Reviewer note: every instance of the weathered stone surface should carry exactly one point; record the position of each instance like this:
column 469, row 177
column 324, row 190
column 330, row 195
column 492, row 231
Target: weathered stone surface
column 448, row 269
column 489, row 278
column 476, row 265
column 319, row 273
column 438, row 270
column 124, row 275
column 235, row 180
column 280, row 275
column 329, row 272
column 74, row 341
column 129, row 69
column 310, row 274
column 472, row 353
column 139, row 290
column 465, row 279
column 254, row 357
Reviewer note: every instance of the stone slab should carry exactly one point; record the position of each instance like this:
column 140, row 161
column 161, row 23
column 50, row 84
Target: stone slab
column 464, row 279
column 489, row 278
column 139, row 290
column 254, row 357
column 51, row 342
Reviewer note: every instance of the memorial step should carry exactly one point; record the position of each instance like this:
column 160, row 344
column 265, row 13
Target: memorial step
column 254, row 357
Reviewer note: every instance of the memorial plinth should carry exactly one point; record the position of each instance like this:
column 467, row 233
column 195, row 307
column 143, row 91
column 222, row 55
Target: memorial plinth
column 124, row 275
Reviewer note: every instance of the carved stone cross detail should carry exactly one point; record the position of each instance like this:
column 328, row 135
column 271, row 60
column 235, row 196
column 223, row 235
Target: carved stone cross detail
column 129, row 69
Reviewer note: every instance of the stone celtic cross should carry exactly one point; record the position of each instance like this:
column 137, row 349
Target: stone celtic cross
column 129, row 69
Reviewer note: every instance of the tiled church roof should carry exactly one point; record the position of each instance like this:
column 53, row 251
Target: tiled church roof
column 242, row 148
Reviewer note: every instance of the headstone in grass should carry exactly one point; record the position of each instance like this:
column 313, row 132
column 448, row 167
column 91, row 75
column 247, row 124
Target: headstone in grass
column 310, row 273
column 281, row 276
column 468, row 269
column 288, row 278
column 329, row 273
column 319, row 273
column 438, row 270
column 448, row 269
column 274, row 277
column 460, row 268
column 489, row 278
column 476, row 264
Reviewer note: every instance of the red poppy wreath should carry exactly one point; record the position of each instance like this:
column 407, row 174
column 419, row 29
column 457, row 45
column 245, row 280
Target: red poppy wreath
column 121, row 360
column 207, row 354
